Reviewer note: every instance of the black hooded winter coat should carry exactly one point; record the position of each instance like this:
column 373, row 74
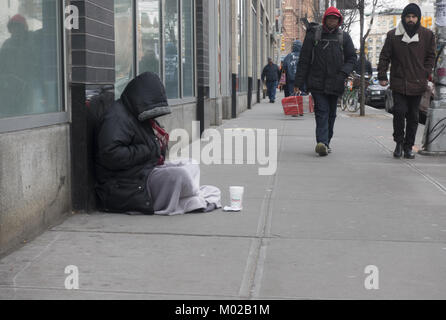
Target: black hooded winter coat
column 291, row 60
column 127, row 148
column 326, row 70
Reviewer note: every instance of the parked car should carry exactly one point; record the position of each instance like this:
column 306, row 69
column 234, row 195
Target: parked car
column 375, row 95
column 426, row 100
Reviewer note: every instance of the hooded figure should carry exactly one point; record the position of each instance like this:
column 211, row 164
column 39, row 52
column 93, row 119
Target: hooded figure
column 291, row 61
column 323, row 65
column 127, row 148
column 327, row 58
column 130, row 176
column 334, row 12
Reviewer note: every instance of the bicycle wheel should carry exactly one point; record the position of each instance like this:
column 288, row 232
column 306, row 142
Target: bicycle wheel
column 352, row 101
column 344, row 100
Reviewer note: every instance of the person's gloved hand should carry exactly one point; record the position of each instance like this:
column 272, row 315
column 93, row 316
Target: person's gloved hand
column 340, row 82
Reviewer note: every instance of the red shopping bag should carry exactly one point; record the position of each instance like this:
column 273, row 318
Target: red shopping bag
column 308, row 104
column 293, row 105
column 298, row 105
column 311, row 104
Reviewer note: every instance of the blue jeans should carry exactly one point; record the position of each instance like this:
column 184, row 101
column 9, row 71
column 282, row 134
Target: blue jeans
column 271, row 90
column 325, row 113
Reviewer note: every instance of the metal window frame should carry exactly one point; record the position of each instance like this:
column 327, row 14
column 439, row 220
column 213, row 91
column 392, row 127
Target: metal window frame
column 135, row 67
column 180, row 49
column 162, row 9
column 163, row 43
column 181, row 70
column 33, row 121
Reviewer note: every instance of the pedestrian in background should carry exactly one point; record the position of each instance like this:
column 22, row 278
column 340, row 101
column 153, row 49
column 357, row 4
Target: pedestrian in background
column 290, row 67
column 327, row 58
column 271, row 73
column 410, row 49
column 368, row 65
column 282, row 81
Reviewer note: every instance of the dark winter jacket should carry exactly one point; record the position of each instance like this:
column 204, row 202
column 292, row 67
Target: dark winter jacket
column 271, row 73
column 326, row 71
column 367, row 67
column 411, row 61
column 291, row 60
column 127, row 148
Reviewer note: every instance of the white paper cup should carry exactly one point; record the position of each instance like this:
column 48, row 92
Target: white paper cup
column 236, row 195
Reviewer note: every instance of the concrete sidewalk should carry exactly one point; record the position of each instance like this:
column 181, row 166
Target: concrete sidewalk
column 308, row 231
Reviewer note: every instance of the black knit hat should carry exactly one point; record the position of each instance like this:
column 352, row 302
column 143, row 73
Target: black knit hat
column 412, row 8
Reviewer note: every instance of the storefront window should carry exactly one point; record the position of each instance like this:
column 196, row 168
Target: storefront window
column 149, row 48
column 187, row 47
column 124, row 45
column 163, row 44
column 30, row 60
column 171, row 60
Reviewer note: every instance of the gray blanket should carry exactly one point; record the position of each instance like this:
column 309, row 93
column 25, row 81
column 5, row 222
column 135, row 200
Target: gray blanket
column 175, row 189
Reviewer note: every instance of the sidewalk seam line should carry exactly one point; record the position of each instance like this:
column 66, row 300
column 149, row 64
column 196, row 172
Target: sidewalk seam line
column 269, row 237
column 434, row 182
column 113, row 291
column 256, row 258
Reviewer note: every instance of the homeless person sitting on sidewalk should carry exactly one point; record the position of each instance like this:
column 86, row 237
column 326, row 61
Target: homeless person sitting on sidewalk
column 131, row 148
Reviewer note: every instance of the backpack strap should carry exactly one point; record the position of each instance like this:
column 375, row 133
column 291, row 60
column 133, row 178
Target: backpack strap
column 341, row 39
column 317, row 38
column 341, row 42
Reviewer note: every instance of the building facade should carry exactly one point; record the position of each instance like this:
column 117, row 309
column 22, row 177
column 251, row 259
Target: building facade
column 383, row 23
column 293, row 28
column 57, row 57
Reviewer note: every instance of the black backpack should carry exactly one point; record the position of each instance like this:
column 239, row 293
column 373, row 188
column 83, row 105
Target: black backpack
column 317, row 29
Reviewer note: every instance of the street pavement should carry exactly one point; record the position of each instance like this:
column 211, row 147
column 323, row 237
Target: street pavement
column 311, row 230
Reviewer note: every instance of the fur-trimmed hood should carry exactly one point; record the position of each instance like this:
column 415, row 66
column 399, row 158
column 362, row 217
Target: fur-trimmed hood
column 145, row 97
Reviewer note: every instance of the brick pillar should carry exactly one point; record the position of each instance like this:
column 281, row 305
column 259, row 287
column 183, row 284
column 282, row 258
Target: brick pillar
column 93, row 66
column 202, row 38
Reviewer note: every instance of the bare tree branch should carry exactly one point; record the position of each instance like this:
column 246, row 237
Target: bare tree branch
column 374, row 4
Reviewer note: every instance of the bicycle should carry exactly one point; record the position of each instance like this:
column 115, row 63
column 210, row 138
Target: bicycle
column 350, row 97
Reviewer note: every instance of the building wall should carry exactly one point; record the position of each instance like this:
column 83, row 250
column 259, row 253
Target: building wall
column 382, row 24
column 35, row 183
column 35, row 177
column 293, row 11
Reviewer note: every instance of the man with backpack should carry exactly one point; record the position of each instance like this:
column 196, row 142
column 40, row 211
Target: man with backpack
column 327, row 58
column 290, row 67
